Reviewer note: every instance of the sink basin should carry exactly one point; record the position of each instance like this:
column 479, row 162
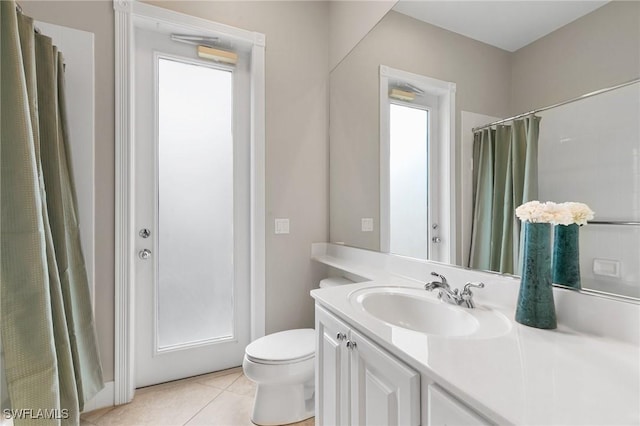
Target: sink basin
column 417, row 310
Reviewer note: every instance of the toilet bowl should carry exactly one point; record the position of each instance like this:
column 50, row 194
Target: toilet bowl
column 282, row 365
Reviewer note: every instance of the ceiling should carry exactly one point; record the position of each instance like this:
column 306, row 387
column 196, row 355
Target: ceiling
column 508, row 25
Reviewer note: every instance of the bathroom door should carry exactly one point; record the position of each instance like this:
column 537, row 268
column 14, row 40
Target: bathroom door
column 191, row 202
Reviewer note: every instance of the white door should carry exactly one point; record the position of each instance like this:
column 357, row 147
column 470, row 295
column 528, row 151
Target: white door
column 191, row 198
column 413, row 169
column 416, row 163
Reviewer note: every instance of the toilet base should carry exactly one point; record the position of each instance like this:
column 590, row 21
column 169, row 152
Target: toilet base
column 283, row 367
column 270, row 400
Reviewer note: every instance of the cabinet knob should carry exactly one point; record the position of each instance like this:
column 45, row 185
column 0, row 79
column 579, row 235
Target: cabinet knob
column 351, row 344
column 341, row 336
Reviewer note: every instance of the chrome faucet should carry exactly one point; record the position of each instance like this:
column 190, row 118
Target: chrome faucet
column 455, row 296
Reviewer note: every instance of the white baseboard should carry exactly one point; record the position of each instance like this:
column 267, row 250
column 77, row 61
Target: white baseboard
column 104, row 398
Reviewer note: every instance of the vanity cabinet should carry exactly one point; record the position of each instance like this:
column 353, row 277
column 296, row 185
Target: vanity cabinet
column 444, row 410
column 357, row 382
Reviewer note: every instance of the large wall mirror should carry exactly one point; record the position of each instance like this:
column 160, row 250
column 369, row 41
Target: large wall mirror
column 497, row 60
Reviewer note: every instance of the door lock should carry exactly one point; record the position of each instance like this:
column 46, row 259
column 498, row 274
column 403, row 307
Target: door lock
column 144, row 254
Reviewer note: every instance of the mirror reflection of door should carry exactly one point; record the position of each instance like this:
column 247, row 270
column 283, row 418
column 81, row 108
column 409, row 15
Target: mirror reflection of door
column 409, row 131
column 415, row 177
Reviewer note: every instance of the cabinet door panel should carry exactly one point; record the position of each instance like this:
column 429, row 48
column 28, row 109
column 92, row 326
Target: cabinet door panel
column 332, row 371
column 384, row 391
column 445, row 410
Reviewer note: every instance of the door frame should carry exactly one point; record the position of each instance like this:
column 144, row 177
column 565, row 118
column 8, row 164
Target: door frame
column 445, row 214
column 128, row 15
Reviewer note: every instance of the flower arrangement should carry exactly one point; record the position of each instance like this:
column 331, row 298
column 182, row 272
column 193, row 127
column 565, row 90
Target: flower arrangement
column 554, row 213
column 580, row 213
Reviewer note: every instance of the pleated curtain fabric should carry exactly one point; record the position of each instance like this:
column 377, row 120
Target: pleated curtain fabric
column 505, row 175
column 50, row 351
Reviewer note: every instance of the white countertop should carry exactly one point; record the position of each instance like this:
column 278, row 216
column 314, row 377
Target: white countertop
column 525, row 376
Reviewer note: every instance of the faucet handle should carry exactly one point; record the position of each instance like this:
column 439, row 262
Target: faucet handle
column 467, row 287
column 467, row 296
column 442, row 277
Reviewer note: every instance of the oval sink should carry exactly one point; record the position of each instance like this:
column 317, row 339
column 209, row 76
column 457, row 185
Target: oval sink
column 416, row 310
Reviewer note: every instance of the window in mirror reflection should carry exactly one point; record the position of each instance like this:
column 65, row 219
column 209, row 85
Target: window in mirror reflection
column 409, row 217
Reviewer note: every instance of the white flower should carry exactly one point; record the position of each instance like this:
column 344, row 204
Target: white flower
column 559, row 214
column 580, row 213
column 556, row 214
column 533, row 211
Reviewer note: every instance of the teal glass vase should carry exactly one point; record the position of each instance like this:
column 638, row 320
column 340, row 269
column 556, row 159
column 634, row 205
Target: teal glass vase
column 535, row 301
column 566, row 256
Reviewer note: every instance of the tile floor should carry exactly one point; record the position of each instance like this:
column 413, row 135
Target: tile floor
column 223, row 398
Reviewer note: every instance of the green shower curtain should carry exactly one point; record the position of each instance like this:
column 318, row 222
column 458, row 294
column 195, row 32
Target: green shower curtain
column 48, row 337
column 505, row 175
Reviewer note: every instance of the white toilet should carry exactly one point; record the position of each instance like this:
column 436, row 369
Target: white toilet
column 283, row 366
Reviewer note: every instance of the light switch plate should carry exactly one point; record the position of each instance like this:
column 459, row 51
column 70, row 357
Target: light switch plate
column 367, row 224
column 606, row 268
column 282, row 226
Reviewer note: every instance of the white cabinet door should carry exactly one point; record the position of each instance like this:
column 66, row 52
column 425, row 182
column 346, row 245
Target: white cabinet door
column 384, row 391
column 332, row 370
column 445, row 410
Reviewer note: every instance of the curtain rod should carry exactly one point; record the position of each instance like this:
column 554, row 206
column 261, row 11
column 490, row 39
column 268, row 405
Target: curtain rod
column 535, row 111
column 614, row 222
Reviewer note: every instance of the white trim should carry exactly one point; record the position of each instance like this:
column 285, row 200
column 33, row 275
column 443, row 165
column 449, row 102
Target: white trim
column 125, row 14
column 162, row 15
column 445, row 91
column 124, row 291
column 448, row 160
column 258, row 213
column 385, row 169
column 104, row 398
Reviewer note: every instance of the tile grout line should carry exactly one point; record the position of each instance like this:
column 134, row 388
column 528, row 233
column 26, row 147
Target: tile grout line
column 214, row 398
column 202, row 408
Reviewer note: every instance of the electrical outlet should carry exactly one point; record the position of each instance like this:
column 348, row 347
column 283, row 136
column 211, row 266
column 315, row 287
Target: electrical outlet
column 367, row 224
column 282, row 226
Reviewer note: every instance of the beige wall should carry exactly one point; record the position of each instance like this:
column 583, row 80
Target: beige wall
column 349, row 22
column 481, row 73
column 598, row 50
column 297, row 61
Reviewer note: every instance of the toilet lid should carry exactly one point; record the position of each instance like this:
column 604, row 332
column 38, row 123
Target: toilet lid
column 283, row 347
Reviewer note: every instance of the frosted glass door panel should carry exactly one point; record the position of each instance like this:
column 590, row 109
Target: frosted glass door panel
column 408, row 181
column 195, row 205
